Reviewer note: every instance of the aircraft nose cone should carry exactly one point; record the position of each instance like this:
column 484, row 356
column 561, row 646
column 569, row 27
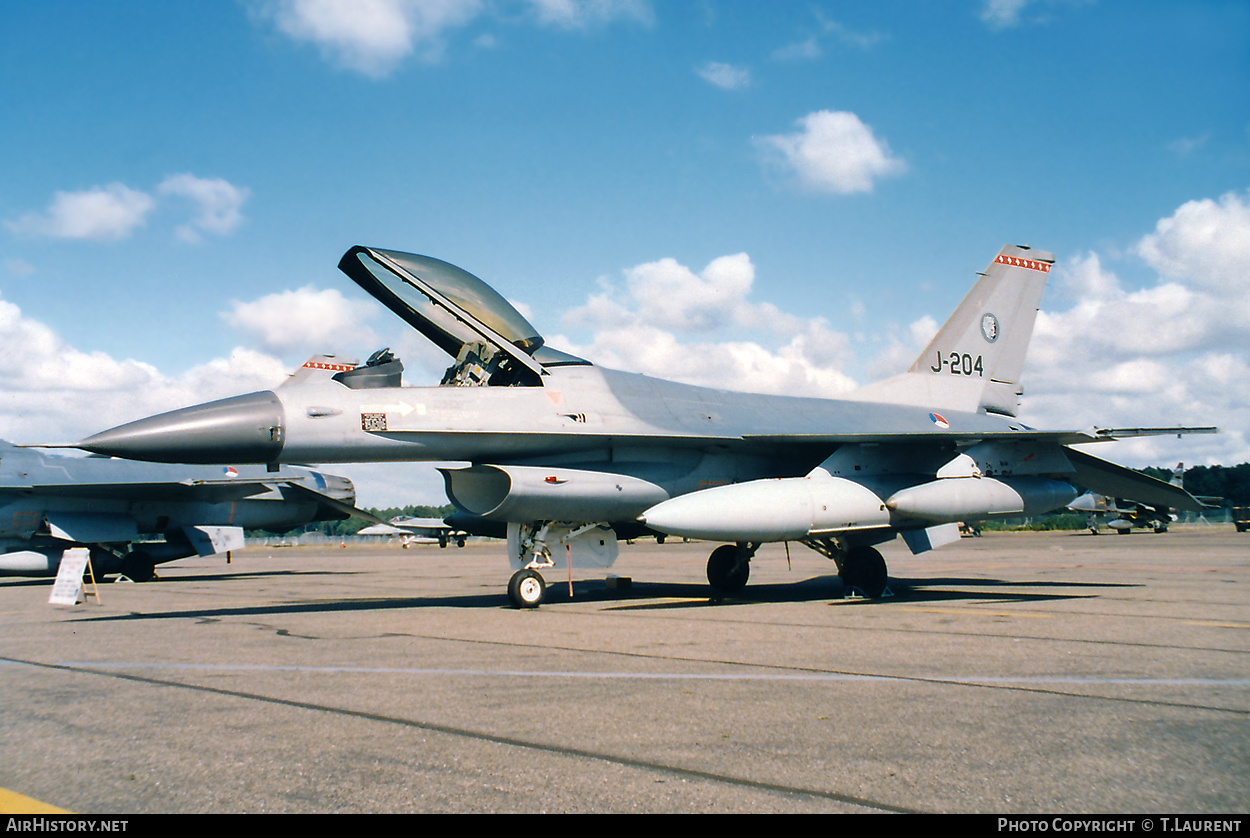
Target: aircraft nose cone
column 242, row 429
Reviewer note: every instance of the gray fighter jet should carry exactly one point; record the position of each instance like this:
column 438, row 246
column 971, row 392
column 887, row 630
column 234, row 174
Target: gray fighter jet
column 1122, row 515
column 409, row 530
column 567, row 457
column 115, row 508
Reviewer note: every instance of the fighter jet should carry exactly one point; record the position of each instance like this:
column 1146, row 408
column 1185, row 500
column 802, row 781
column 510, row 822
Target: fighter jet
column 117, row 509
column 411, row 529
column 1124, row 514
column 569, row 456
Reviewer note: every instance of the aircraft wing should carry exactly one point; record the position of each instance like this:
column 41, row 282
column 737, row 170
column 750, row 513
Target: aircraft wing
column 589, row 439
column 432, row 528
column 953, row 437
column 1125, row 433
column 1068, row 437
column 207, row 491
column 91, row 527
column 1119, row 482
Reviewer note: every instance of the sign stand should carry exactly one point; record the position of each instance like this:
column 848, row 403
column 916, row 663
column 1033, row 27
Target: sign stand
column 68, row 589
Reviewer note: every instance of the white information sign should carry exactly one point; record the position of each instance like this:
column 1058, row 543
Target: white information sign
column 67, row 589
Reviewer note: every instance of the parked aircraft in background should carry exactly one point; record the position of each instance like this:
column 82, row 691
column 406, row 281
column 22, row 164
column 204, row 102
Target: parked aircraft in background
column 1124, row 514
column 570, row 456
column 412, row 529
column 49, row 504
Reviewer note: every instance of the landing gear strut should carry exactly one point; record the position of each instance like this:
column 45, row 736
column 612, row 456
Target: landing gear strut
column 729, row 567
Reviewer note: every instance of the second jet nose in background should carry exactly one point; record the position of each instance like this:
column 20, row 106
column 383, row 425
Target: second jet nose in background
column 241, row 429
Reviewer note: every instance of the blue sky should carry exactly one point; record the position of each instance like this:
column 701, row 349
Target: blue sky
column 786, row 197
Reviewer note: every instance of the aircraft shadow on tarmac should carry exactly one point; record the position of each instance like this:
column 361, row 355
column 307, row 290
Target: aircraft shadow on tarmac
column 831, row 589
column 46, row 581
column 670, row 596
column 258, row 574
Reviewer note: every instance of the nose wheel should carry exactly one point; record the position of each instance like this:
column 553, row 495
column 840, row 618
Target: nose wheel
column 526, row 589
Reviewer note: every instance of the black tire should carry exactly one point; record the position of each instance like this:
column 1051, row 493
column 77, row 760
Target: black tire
column 864, row 570
column 728, row 568
column 526, row 589
column 138, row 566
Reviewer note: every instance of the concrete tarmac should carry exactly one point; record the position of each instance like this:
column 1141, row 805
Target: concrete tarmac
column 1035, row 673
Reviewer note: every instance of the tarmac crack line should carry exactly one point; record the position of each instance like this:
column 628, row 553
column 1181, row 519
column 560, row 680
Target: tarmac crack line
column 481, row 736
column 985, row 682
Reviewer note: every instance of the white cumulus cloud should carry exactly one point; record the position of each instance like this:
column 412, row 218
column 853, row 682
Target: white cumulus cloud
column 306, row 320
column 1170, row 353
column 217, row 203
column 115, row 211
column 374, row 37
column 1206, row 242
column 833, row 151
column 724, row 76
column 1001, row 14
column 579, row 14
column 52, row 391
column 371, row 36
column 638, row 328
column 101, row 212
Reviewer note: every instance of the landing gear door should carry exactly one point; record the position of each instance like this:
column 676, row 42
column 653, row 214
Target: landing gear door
column 587, row 546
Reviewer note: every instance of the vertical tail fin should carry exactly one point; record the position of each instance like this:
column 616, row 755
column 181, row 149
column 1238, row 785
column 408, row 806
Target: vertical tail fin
column 974, row 361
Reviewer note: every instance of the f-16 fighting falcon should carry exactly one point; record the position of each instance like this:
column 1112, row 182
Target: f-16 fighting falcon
column 409, row 529
column 51, row 504
column 567, row 457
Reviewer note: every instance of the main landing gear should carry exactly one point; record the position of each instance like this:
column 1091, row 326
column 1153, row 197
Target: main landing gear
column 729, row 567
column 863, row 569
column 139, row 566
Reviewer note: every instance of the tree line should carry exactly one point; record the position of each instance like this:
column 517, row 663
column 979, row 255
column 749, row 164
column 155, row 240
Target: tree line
column 1231, row 484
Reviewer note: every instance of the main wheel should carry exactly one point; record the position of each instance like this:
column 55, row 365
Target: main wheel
column 525, row 589
column 728, row 568
column 138, row 566
column 864, row 569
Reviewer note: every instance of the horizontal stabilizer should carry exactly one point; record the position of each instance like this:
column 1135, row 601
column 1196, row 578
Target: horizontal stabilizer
column 333, row 503
column 1119, row 482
